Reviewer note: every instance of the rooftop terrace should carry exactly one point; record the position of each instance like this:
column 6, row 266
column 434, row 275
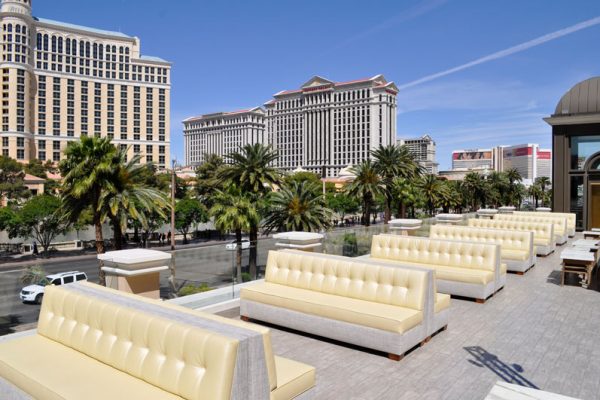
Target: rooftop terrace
column 534, row 333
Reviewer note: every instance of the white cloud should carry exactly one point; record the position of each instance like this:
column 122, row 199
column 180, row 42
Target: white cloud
column 508, row 52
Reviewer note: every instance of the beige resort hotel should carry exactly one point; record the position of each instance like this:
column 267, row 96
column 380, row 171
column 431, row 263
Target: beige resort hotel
column 60, row 81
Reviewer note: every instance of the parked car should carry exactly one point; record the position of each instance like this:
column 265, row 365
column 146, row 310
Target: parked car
column 35, row 293
column 233, row 245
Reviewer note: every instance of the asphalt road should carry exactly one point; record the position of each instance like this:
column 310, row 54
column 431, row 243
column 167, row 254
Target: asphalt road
column 212, row 264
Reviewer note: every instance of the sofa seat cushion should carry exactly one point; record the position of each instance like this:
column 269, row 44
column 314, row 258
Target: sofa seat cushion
column 293, row 379
column 464, row 275
column 48, row 370
column 442, row 302
column 360, row 312
column 516, row 255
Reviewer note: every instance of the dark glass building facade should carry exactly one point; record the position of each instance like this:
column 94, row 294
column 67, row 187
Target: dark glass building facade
column 576, row 153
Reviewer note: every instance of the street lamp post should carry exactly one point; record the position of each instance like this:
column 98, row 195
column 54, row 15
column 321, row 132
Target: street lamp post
column 172, row 268
column 173, row 182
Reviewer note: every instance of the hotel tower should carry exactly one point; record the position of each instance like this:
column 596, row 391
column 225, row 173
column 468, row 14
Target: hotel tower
column 61, row 81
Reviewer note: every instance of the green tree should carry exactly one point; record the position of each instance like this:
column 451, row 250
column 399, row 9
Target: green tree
column 188, row 213
column 7, row 216
column 434, row 191
column 207, row 181
column 476, row 188
column 12, row 186
column 393, row 162
column 88, row 170
column 36, row 168
column 235, row 211
column 342, row 204
column 40, row 219
column 129, row 199
column 514, row 192
column 497, row 188
column 366, row 186
column 304, row 176
column 296, row 207
column 251, row 170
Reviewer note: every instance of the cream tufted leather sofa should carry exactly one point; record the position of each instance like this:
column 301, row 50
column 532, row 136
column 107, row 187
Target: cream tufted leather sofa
column 516, row 247
column 560, row 223
column 96, row 343
column 437, row 315
column 462, row 269
column 367, row 304
column 571, row 218
column 543, row 234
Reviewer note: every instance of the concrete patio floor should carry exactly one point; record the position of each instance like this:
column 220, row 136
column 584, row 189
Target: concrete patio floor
column 534, row 333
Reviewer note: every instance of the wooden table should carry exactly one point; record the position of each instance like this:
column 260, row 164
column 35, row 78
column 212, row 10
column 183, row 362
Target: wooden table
column 591, row 234
column 578, row 261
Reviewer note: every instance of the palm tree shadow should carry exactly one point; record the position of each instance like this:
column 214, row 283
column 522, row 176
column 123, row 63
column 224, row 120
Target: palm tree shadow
column 510, row 373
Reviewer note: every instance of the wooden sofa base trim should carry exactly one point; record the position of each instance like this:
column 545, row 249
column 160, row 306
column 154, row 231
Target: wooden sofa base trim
column 395, row 357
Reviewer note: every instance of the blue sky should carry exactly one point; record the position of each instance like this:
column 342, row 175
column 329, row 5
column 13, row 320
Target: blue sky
column 236, row 54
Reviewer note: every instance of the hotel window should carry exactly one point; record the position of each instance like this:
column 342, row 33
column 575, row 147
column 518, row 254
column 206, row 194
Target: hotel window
column 20, row 154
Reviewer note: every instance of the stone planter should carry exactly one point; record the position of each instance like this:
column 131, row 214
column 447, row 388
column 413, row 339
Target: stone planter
column 487, row 213
column 305, row 241
column 404, row 226
column 449, row 219
column 135, row 271
column 507, row 210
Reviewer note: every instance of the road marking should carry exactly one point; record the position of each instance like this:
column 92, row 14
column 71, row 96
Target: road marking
column 14, row 270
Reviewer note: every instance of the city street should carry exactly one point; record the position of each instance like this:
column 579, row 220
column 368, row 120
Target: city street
column 213, row 265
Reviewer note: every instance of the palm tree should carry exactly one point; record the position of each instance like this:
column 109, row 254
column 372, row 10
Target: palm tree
column 514, row 178
column 128, row 199
column 251, row 170
column 392, row 162
column 497, row 184
column 366, row 185
column 475, row 185
column 88, row 171
column 234, row 211
column 433, row 190
column 544, row 183
column 298, row 207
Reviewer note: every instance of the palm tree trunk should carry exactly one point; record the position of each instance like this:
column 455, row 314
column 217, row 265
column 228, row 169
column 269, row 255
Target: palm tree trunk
column 238, row 253
column 118, row 234
column 402, row 210
column 253, row 252
column 99, row 247
column 367, row 213
column 388, row 209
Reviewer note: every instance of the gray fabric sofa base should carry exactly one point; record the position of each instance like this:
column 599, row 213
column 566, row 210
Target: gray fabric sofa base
column 440, row 320
column 562, row 239
column 519, row 266
column 469, row 290
column 370, row 338
column 545, row 250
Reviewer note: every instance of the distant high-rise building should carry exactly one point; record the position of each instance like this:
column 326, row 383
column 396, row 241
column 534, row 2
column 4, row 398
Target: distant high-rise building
column 62, row 81
column 531, row 161
column 323, row 126
column 473, row 159
column 423, row 149
column 222, row 133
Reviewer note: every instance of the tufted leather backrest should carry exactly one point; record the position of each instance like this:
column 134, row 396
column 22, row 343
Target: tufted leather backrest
column 509, row 240
column 348, row 278
column 560, row 223
column 571, row 218
column 184, row 360
column 435, row 252
column 541, row 231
